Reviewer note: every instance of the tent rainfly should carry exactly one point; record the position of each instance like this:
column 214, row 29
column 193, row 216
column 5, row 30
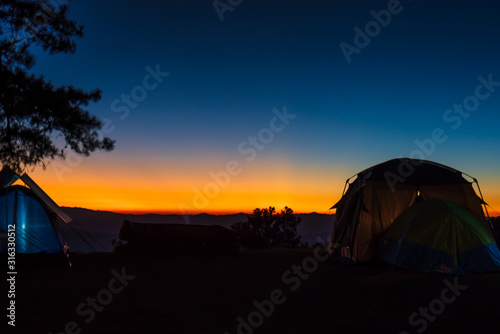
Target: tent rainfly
column 436, row 235
column 33, row 214
column 377, row 195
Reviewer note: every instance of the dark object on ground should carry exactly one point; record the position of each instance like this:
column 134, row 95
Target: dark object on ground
column 165, row 239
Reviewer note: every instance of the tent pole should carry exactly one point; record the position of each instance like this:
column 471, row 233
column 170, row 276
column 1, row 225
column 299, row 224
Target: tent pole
column 485, row 207
column 345, row 186
column 481, row 194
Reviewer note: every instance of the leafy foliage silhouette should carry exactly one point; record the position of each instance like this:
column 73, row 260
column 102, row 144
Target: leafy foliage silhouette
column 267, row 228
column 33, row 112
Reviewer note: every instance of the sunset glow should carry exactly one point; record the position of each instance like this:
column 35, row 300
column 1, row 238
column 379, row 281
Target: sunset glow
column 255, row 110
column 119, row 192
column 315, row 191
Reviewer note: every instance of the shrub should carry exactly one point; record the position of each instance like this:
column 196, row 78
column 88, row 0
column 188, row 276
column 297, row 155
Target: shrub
column 266, row 228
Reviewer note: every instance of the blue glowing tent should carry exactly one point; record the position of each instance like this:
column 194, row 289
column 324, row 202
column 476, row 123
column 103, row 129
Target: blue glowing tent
column 33, row 216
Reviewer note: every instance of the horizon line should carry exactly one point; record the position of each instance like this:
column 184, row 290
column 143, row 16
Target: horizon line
column 169, row 212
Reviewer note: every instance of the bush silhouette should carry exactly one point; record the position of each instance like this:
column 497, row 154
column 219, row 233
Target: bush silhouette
column 266, row 228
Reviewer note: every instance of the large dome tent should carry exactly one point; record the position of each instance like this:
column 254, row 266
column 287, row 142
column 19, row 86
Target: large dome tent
column 374, row 197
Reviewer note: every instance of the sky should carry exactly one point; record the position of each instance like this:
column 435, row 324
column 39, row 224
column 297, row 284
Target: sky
column 226, row 106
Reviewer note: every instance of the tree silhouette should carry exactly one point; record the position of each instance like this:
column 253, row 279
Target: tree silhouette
column 266, row 228
column 32, row 111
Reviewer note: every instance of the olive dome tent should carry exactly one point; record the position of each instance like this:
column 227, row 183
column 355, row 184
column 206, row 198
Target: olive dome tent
column 374, row 197
column 437, row 235
column 34, row 215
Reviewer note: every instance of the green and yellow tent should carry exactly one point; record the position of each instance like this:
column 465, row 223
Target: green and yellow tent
column 437, row 235
column 374, row 197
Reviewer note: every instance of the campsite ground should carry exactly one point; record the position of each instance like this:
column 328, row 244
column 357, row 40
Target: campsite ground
column 207, row 294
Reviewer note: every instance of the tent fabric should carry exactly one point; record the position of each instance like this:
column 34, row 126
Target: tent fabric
column 35, row 225
column 437, row 235
column 45, row 198
column 415, row 172
column 381, row 193
column 7, row 177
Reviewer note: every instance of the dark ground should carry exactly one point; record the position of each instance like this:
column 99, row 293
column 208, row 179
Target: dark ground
column 206, row 294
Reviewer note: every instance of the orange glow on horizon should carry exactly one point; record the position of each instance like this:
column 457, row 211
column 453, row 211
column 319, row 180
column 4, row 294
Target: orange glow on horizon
column 303, row 188
column 216, row 213
column 118, row 192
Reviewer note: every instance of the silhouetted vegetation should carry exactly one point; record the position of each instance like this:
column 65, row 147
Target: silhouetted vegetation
column 267, row 228
column 33, row 110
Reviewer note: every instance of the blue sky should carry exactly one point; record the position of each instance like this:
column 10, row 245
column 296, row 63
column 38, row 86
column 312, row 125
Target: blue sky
column 225, row 78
